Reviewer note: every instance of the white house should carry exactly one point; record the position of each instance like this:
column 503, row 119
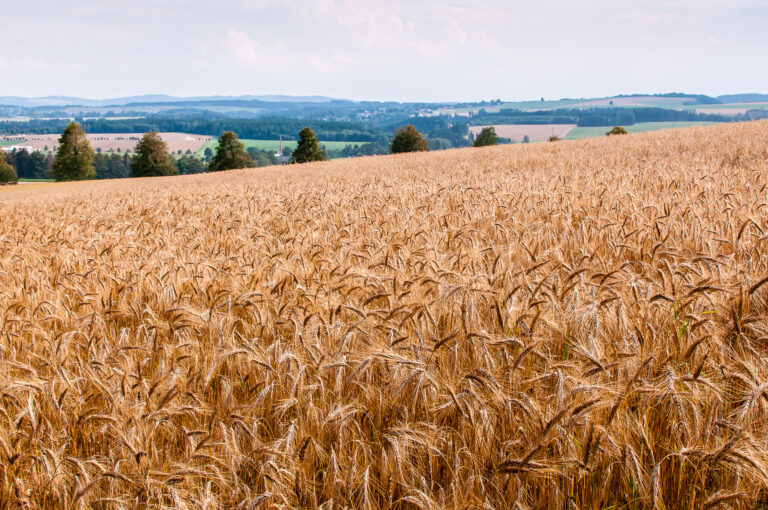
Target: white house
column 11, row 148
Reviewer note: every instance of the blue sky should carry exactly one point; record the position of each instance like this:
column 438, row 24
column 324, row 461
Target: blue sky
column 372, row 49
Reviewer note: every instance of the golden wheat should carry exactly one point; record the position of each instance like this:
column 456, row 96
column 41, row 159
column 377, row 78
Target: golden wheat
column 570, row 325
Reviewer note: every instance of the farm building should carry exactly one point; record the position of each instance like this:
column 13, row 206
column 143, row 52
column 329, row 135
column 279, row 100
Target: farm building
column 284, row 160
column 11, row 148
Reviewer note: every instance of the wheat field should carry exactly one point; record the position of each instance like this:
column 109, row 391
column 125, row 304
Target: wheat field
column 564, row 325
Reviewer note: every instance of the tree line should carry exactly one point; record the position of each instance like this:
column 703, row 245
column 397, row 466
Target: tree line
column 597, row 117
column 76, row 160
column 267, row 128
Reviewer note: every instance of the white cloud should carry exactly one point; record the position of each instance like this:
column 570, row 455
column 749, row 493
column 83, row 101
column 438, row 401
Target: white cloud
column 382, row 49
column 248, row 52
column 25, row 64
column 278, row 57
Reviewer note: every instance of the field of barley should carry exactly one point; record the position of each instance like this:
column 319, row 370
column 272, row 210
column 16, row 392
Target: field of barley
column 564, row 325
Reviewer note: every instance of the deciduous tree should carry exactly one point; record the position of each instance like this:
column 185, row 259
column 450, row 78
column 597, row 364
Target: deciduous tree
column 7, row 173
column 230, row 154
column 152, row 158
column 618, row 130
column 408, row 139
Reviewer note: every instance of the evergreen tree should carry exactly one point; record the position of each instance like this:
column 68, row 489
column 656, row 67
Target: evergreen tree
column 308, row 149
column 7, row 173
column 111, row 166
column 74, row 157
column 408, row 139
column 190, row 165
column 262, row 158
column 230, row 154
column 486, row 137
column 29, row 165
column 152, row 158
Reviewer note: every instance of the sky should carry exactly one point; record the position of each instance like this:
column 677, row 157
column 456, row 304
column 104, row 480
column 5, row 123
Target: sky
column 417, row 50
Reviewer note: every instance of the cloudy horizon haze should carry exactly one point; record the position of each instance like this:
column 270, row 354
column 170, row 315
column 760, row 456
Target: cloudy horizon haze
column 422, row 50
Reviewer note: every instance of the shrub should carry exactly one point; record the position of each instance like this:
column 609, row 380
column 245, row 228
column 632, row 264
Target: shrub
column 554, row 138
column 618, row 130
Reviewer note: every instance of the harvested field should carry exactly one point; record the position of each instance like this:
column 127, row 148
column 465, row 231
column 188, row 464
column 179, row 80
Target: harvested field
column 641, row 101
column 579, row 324
column 536, row 132
column 111, row 141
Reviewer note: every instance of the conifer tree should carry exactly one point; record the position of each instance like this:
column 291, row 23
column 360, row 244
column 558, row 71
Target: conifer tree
column 74, row 157
column 152, row 158
column 230, row 154
column 308, row 149
column 486, row 137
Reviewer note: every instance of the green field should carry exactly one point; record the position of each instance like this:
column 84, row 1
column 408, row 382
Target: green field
column 520, row 105
column 10, row 142
column 748, row 106
column 591, row 132
column 273, row 145
column 37, row 180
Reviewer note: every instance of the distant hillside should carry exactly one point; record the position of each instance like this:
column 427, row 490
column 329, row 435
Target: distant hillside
column 743, row 98
column 149, row 98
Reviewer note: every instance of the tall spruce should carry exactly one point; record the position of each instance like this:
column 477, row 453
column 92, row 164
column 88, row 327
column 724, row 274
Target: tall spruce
column 152, row 158
column 408, row 139
column 308, row 149
column 74, row 157
column 230, row 154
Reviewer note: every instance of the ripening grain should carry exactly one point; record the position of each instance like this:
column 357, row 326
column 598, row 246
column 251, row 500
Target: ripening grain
column 565, row 325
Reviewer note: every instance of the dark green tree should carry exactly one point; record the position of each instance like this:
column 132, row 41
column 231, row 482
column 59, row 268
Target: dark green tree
column 230, row 154
column 74, row 157
column 262, row 158
column 112, row 166
column 526, row 139
column 618, row 130
column 486, row 137
column 152, row 158
column 408, row 139
column 190, row 165
column 7, row 173
column 29, row 166
column 308, row 149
